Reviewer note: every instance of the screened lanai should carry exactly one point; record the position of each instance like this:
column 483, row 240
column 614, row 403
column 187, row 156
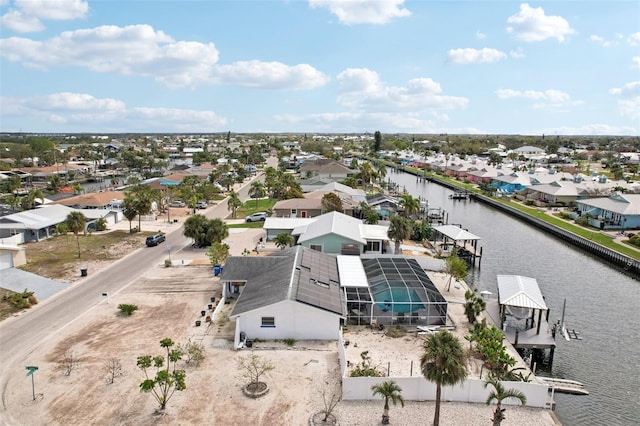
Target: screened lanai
column 393, row 290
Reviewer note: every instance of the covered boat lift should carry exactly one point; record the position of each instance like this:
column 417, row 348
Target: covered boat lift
column 464, row 242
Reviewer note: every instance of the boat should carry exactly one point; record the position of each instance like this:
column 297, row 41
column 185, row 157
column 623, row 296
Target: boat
column 459, row 195
column 565, row 386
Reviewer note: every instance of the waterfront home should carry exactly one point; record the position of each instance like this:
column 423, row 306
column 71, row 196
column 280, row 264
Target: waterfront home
column 296, row 295
column 619, row 211
column 325, row 168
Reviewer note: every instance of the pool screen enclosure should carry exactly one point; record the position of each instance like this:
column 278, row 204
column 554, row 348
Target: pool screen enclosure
column 400, row 292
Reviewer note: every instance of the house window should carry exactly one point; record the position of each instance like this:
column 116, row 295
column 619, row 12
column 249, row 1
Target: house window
column 316, row 247
column 268, row 322
column 294, row 212
column 373, row 246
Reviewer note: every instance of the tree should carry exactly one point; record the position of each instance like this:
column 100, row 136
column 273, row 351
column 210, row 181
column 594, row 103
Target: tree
column 168, row 379
column 474, row 305
column 256, row 190
column 205, row 231
column 368, row 213
column 455, row 268
column 389, row 390
column 409, row 204
column 75, row 222
column 253, row 367
column 331, row 202
column 283, row 240
column 218, row 253
column 399, row 229
column 113, row 369
column 499, row 394
column 377, row 141
column 129, row 209
column 442, row 362
column 234, row 203
column 143, row 196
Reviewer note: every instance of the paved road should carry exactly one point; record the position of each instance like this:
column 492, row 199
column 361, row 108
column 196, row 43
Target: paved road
column 23, row 335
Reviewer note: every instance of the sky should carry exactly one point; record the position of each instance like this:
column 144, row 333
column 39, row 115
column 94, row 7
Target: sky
column 320, row 66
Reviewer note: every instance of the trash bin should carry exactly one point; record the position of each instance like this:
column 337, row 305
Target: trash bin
column 83, row 272
column 216, row 270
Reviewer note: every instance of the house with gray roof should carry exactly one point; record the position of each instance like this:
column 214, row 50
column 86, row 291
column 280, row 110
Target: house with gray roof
column 295, row 295
column 619, row 211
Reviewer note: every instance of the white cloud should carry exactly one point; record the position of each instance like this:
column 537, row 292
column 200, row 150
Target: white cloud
column 636, row 62
column 517, row 53
column 362, row 89
column 27, row 16
column 629, row 89
column 547, row 99
column 141, row 50
column 79, row 110
column 531, row 24
column 59, row 10
column 477, row 56
column 480, row 36
column 271, row 75
column 17, row 21
column 634, row 39
column 588, row 129
column 600, row 40
column 351, row 12
column 629, row 102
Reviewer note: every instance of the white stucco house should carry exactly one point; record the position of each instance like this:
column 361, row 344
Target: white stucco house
column 293, row 293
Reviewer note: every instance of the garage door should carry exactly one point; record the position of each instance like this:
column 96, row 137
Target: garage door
column 6, row 260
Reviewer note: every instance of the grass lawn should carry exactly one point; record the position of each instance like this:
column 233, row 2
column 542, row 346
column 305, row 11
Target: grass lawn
column 95, row 247
column 254, row 206
column 246, row 225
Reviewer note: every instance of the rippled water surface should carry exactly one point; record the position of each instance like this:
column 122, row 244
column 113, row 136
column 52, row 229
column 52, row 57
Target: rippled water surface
column 602, row 304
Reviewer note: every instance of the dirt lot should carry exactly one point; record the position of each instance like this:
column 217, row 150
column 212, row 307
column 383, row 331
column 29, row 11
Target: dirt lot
column 169, row 301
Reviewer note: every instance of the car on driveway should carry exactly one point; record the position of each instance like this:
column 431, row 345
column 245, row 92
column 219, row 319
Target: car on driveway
column 155, row 239
column 177, row 203
column 202, row 205
column 256, row 217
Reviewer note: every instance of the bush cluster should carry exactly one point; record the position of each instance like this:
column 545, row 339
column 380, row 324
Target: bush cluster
column 23, row 300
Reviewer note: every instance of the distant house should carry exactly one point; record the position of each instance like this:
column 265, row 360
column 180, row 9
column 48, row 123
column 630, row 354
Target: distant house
column 619, row 211
column 311, row 205
column 94, row 200
column 40, row 223
column 325, row 169
column 296, row 295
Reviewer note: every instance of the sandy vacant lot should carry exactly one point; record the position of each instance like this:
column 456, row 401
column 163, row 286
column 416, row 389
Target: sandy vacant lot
column 170, row 300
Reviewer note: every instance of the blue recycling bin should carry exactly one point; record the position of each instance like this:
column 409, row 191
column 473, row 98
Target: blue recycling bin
column 216, row 270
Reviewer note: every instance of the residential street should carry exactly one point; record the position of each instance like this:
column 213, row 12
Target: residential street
column 27, row 333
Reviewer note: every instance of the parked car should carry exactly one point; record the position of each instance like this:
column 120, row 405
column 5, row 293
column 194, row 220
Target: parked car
column 256, row 217
column 202, row 204
column 177, row 203
column 154, row 240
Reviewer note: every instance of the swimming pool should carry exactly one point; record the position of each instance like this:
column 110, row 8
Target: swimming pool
column 399, row 300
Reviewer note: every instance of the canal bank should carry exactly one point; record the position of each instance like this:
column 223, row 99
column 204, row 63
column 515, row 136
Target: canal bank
column 601, row 303
column 625, row 263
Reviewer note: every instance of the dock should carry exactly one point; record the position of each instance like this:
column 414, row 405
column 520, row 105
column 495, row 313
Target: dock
column 565, row 386
column 460, row 195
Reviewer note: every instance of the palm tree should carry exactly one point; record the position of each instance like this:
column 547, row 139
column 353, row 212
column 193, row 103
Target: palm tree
column 366, row 173
column 410, row 204
column 399, row 229
column 234, row 203
column 75, row 223
column 283, row 240
column 389, row 390
column 499, row 394
column 442, row 362
column 256, row 190
column 129, row 209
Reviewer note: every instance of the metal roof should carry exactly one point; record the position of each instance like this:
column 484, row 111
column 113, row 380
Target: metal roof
column 351, row 272
column 334, row 223
column 523, row 292
column 456, row 233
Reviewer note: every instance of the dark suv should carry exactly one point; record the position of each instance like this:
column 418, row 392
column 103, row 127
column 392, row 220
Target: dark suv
column 154, row 240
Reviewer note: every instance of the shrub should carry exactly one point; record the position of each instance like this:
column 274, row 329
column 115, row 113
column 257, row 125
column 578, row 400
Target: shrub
column 127, row 309
column 365, row 369
column 289, row 342
column 23, row 300
column 395, row 331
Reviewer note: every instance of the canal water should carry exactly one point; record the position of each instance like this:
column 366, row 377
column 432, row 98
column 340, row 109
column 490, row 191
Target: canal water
column 602, row 304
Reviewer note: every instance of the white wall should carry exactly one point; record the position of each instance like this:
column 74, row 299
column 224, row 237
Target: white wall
column 419, row 389
column 293, row 320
